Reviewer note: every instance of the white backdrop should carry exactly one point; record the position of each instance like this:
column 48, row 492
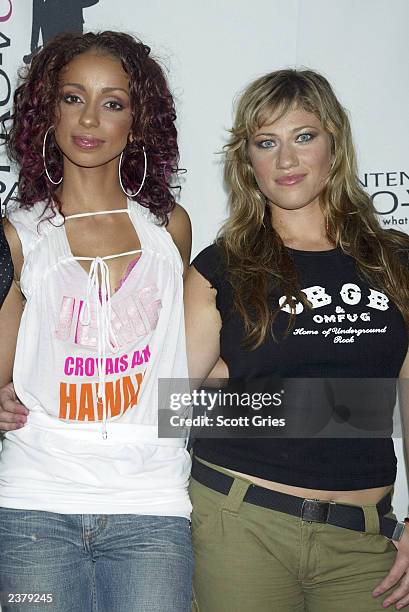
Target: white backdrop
column 213, row 49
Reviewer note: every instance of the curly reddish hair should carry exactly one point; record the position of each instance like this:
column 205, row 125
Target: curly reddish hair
column 153, row 111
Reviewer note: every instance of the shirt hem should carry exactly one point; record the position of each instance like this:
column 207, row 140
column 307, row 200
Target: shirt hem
column 322, row 483
column 75, row 508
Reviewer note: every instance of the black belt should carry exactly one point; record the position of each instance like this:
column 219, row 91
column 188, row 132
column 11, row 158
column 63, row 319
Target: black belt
column 310, row 510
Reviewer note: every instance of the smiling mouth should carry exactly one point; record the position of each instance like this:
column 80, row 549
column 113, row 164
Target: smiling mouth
column 290, row 179
column 87, row 142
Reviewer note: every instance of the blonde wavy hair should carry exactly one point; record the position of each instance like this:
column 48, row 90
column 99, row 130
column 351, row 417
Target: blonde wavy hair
column 256, row 258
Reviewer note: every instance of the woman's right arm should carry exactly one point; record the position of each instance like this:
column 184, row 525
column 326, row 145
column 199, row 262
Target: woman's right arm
column 203, row 323
column 11, row 410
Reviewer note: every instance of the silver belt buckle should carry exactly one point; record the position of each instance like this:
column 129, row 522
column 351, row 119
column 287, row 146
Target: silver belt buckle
column 315, row 510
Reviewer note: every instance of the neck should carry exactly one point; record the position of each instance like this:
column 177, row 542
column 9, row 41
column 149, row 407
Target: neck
column 303, row 229
column 91, row 189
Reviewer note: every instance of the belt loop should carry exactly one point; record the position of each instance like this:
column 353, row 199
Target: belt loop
column 371, row 519
column 236, row 495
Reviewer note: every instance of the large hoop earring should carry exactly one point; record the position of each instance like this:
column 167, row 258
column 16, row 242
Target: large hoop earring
column 44, row 161
column 132, row 195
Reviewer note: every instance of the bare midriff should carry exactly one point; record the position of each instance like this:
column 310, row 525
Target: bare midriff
column 361, row 497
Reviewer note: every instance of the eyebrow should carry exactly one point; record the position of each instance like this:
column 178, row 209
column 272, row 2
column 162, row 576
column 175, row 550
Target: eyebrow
column 297, row 129
column 104, row 90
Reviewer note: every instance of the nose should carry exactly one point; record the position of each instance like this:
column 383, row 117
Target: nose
column 286, row 156
column 89, row 116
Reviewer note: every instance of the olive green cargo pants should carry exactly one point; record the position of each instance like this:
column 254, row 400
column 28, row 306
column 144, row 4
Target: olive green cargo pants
column 253, row 559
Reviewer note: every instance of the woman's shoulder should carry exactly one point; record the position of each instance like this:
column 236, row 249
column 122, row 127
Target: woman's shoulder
column 211, row 263
column 179, row 216
column 399, row 243
column 29, row 218
column 179, row 227
column 403, row 236
column 24, row 228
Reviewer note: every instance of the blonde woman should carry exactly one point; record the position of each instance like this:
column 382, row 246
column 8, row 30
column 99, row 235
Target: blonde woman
column 297, row 524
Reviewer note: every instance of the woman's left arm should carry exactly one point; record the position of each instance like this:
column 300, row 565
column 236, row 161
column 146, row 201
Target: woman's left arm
column 179, row 227
column 400, row 569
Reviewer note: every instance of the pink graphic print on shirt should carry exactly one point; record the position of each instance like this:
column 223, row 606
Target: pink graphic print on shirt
column 132, row 318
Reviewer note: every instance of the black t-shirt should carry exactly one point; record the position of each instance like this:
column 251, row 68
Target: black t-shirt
column 351, row 331
column 6, row 266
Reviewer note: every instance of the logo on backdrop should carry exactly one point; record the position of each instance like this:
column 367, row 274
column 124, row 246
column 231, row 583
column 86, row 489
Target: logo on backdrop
column 389, row 190
column 6, row 13
column 52, row 17
column 6, row 50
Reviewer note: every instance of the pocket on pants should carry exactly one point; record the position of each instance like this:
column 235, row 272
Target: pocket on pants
column 207, row 505
column 344, row 552
column 25, row 538
column 380, row 543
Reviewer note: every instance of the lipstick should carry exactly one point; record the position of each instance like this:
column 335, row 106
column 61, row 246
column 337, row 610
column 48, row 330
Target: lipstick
column 288, row 180
column 87, row 142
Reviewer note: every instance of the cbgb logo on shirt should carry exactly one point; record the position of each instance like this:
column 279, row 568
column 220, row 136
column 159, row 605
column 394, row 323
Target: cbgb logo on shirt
column 350, row 293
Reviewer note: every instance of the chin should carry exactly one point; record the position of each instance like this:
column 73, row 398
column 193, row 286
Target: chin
column 88, row 159
column 291, row 205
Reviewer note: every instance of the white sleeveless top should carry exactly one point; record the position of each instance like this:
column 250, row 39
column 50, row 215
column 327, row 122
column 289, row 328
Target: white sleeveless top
column 87, row 367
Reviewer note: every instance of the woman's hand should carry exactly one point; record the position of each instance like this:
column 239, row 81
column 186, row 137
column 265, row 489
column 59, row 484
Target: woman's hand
column 399, row 572
column 400, row 569
column 13, row 414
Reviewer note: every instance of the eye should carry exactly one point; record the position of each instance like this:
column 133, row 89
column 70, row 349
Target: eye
column 265, row 144
column 305, row 137
column 114, row 105
column 71, row 98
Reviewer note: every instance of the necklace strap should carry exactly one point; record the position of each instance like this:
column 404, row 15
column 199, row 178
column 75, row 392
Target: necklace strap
column 108, row 256
column 98, row 212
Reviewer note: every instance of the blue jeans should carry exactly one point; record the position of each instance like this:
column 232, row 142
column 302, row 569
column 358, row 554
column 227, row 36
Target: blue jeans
column 94, row 563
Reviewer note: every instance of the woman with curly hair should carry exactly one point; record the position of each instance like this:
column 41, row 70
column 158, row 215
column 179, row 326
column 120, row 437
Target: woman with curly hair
column 94, row 511
column 305, row 288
